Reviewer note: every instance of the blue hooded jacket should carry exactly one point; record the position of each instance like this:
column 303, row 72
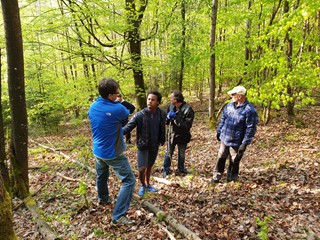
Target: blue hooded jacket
column 105, row 120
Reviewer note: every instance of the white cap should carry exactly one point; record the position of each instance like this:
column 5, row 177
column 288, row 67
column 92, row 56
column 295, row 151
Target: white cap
column 239, row 90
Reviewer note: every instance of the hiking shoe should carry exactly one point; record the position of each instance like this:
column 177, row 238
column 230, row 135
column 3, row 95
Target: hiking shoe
column 142, row 191
column 216, row 178
column 123, row 220
column 166, row 174
column 151, row 189
column 183, row 171
column 103, row 203
column 232, row 178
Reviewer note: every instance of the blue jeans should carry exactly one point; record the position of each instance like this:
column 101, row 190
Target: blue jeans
column 181, row 156
column 123, row 171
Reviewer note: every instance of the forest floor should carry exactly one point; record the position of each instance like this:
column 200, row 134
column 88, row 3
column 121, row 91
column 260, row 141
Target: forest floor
column 277, row 194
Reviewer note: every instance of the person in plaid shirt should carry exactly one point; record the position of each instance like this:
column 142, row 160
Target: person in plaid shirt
column 236, row 129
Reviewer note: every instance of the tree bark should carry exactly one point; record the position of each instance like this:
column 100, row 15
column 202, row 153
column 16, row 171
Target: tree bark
column 247, row 46
column 290, row 106
column 3, row 166
column 134, row 18
column 183, row 44
column 214, row 12
column 6, row 223
column 318, row 46
column 19, row 137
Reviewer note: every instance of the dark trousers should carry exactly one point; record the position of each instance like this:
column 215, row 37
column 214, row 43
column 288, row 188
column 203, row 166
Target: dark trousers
column 181, row 156
column 234, row 161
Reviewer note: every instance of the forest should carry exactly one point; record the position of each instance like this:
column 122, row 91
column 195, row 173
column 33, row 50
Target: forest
column 53, row 53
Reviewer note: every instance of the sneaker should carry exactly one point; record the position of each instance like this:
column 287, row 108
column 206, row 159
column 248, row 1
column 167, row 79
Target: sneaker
column 216, row 178
column 103, row 203
column 166, row 174
column 142, row 191
column 151, row 189
column 123, row 220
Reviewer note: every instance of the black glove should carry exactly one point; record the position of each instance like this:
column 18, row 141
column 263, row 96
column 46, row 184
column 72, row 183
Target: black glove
column 241, row 149
column 218, row 137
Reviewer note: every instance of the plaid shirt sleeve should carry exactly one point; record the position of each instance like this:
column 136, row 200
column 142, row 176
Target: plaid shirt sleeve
column 251, row 124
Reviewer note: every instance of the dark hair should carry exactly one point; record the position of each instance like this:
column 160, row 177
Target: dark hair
column 154, row 92
column 177, row 95
column 108, row 86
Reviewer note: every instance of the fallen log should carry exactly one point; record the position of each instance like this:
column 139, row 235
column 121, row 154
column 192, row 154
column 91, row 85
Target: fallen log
column 42, row 226
column 158, row 212
column 65, row 155
column 171, row 221
column 33, row 194
column 170, row 235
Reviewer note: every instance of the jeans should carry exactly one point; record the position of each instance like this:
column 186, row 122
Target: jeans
column 181, row 156
column 123, row 171
column 234, row 161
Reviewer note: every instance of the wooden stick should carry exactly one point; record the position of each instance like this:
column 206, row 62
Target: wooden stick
column 68, row 178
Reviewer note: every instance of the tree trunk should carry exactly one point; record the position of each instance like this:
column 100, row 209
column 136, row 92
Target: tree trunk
column 183, row 44
column 19, row 137
column 318, row 46
column 134, row 18
column 3, row 166
column 214, row 11
column 6, row 223
column 290, row 106
column 247, row 46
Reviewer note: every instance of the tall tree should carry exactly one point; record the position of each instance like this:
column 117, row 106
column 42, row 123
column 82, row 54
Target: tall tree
column 288, row 39
column 3, row 166
column 19, row 128
column 183, row 43
column 214, row 12
column 134, row 18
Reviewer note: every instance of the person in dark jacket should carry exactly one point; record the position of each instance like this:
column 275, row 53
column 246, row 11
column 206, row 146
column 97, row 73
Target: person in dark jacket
column 150, row 123
column 131, row 109
column 236, row 129
column 179, row 118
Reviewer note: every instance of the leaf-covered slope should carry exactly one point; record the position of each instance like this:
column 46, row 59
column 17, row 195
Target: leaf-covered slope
column 277, row 193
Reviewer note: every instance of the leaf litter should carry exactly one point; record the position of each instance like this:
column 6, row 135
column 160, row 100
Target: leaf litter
column 279, row 185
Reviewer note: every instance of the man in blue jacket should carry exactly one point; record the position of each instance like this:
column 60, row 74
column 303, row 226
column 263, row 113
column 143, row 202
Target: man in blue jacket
column 236, row 130
column 106, row 115
column 150, row 123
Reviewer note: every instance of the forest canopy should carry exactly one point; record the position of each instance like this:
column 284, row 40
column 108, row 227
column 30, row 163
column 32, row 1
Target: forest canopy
column 270, row 47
